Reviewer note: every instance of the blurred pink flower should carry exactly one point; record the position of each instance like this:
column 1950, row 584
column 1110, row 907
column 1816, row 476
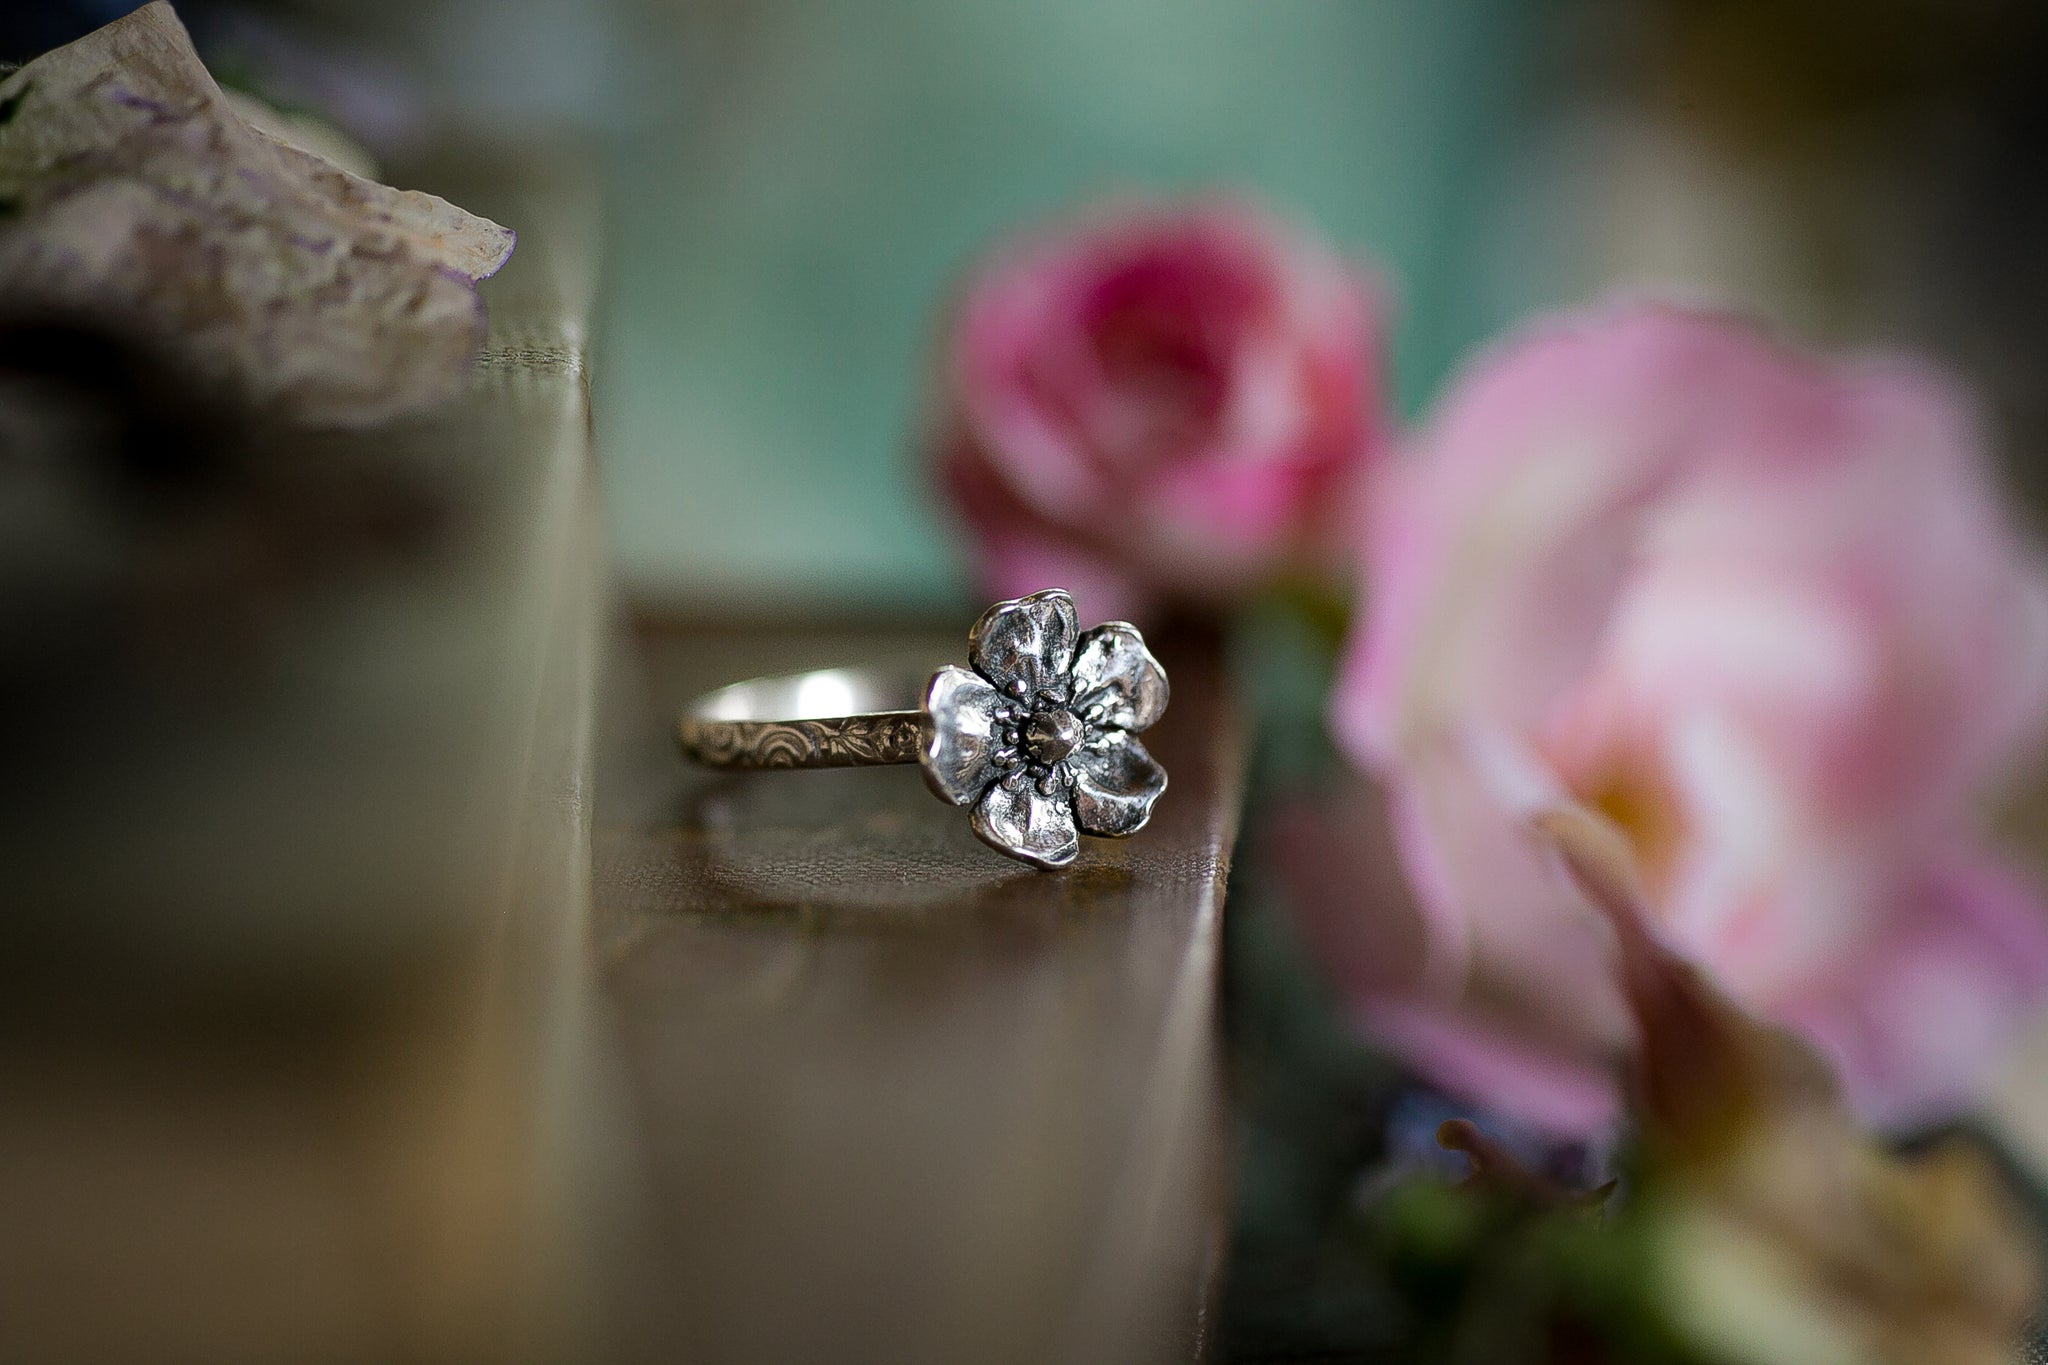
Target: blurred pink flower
column 1766, row 613
column 1157, row 402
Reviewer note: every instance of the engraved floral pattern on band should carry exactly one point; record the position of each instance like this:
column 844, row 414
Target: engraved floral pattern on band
column 849, row 742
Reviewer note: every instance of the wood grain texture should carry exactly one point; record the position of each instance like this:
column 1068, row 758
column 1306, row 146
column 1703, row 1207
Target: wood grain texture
column 899, row 1098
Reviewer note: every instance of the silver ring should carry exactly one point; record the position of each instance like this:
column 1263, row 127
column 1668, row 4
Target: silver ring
column 1039, row 736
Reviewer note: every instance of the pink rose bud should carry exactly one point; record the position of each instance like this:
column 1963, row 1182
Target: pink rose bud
column 1159, row 402
column 1765, row 612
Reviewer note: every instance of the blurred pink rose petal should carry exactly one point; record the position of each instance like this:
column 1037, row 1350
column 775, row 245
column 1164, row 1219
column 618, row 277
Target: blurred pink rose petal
column 1762, row 610
column 1164, row 401
column 1920, row 1014
column 1497, row 1038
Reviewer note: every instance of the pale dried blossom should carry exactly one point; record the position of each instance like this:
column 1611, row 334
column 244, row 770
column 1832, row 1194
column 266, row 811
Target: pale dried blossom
column 131, row 189
column 1778, row 1230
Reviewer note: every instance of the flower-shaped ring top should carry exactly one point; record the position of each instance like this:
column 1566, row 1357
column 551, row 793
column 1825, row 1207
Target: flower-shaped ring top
column 1039, row 736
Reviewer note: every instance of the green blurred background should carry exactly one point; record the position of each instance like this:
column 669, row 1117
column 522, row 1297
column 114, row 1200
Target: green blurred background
column 795, row 185
column 792, row 214
column 792, row 186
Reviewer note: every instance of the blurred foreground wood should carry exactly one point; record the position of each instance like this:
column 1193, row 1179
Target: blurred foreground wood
column 897, row 1097
column 289, row 971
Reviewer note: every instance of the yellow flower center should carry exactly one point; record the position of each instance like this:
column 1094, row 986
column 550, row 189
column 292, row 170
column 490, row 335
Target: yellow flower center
column 1633, row 792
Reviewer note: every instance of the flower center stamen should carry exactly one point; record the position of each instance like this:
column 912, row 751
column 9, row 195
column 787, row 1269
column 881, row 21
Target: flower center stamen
column 1052, row 735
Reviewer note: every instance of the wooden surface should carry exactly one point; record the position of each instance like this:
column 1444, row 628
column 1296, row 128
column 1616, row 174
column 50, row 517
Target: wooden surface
column 895, row 1097
column 289, row 1002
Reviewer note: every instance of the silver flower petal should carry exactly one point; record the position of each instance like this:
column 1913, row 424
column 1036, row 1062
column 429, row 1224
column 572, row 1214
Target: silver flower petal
column 1025, row 824
column 1027, row 641
column 960, row 708
column 1114, row 670
column 1115, row 784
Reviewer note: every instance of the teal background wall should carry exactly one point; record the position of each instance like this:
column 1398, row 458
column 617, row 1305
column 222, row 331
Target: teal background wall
column 797, row 184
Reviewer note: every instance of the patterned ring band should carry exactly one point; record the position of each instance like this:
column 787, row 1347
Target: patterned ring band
column 832, row 718
column 1039, row 736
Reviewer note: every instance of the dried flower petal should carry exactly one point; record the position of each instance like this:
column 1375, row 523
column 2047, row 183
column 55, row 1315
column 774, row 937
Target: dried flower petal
column 1782, row 1231
column 139, row 192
